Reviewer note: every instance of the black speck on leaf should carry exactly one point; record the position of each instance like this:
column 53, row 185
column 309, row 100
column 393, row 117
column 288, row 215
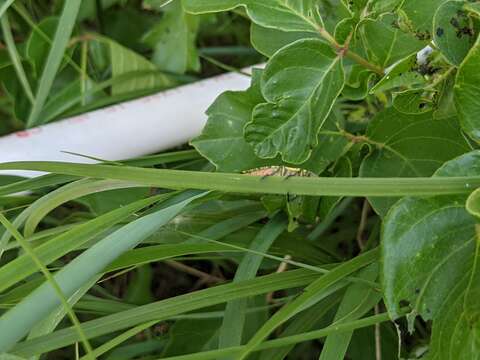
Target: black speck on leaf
column 421, row 105
column 440, row 32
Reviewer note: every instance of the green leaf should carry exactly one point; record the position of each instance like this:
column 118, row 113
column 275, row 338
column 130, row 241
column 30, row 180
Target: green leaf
column 454, row 31
column 417, row 17
column 385, row 42
column 357, row 301
column 301, row 83
column 287, row 15
column 167, row 308
column 409, row 146
column 124, row 61
column 467, row 92
column 473, row 203
column 403, row 74
column 268, row 41
column 430, row 251
column 173, row 40
column 231, row 332
column 16, row 322
column 222, row 138
column 54, row 59
column 37, row 48
column 313, row 293
column 413, row 101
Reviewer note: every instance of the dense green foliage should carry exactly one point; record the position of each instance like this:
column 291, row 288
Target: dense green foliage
column 180, row 255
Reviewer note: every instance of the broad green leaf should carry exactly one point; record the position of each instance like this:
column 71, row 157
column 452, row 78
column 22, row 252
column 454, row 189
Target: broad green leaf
column 403, row 75
column 16, row 322
column 287, row 15
column 221, row 140
column 409, row 146
column 473, row 203
column 268, row 41
column 417, row 17
column 467, row 92
column 173, row 40
column 385, row 42
column 430, row 250
column 301, row 83
column 454, row 31
column 413, row 102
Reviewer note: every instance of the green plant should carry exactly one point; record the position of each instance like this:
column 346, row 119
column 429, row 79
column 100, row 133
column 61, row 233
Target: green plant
column 376, row 255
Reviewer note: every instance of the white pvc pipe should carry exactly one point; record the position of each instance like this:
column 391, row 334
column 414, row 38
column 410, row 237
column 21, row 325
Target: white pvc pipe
column 126, row 130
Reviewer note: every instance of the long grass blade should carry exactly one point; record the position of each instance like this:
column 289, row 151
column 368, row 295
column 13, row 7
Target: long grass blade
column 54, row 59
column 16, row 323
column 15, row 57
column 5, row 345
column 178, row 179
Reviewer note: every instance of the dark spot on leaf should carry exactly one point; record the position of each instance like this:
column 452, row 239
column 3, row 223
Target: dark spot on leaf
column 417, row 291
column 421, row 105
column 440, row 32
column 454, row 22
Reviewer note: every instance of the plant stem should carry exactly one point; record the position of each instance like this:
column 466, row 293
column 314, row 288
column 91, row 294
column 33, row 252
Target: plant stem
column 239, row 183
column 343, row 50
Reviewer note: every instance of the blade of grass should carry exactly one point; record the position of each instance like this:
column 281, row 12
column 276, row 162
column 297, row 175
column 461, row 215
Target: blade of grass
column 54, row 59
column 6, row 4
column 35, row 183
column 311, row 295
column 16, row 322
column 15, row 57
column 233, row 324
column 290, row 340
column 356, row 302
column 180, row 179
column 6, row 345
column 22, row 266
column 166, row 309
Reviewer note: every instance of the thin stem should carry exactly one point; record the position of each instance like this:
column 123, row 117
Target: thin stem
column 345, row 51
column 239, row 183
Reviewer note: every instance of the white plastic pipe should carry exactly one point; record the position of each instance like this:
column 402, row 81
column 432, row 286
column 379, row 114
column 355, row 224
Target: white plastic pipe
column 126, row 130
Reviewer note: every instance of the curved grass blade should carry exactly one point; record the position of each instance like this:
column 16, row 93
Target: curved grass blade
column 58, row 293
column 16, row 323
column 21, row 267
column 312, row 294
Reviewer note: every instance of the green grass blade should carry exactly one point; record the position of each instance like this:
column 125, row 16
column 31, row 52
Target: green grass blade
column 24, row 327
column 15, row 57
column 16, row 323
column 312, row 294
column 233, row 323
column 178, row 179
column 289, row 340
column 35, row 183
column 54, row 59
column 21, row 267
column 6, row 4
column 167, row 309
column 75, row 190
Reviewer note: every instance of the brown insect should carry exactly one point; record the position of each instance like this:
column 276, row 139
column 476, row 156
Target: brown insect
column 284, row 171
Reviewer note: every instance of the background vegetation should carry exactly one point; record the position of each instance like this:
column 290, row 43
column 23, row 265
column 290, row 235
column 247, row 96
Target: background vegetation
column 177, row 255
